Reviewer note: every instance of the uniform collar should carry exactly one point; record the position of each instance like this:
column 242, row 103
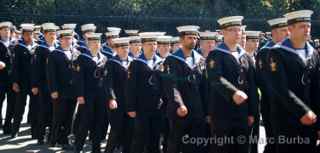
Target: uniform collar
column 156, row 59
column 268, row 45
column 129, row 59
column 287, row 46
column 45, row 44
column 107, row 50
column 196, row 57
column 117, row 60
column 6, row 43
column 222, row 47
column 22, row 43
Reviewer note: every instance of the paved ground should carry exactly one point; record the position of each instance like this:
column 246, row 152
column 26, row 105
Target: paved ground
column 24, row 144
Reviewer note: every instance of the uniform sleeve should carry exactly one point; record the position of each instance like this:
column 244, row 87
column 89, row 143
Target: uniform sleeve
column 132, row 87
column 171, row 93
column 253, row 98
column 315, row 79
column 79, row 71
column 108, row 82
column 52, row 73
column 279, row 81
column 204, row 91
column 36, row 68
column 16, row 64
column 3, row 51
column 216, row 80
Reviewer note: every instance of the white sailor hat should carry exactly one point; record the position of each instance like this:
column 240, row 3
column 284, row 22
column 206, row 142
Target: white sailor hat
column 37, row 27
column 243, row 27
column 150, row 36
column 37, row 32
column 299, row 16
column 278, row 22
column 253, row 34
column 27, row 27
column 66, row 32
column 230, row 21
column 175, row 40
column 135, row 39
column 49, row 27
column 208, row 35
column 71, row 26
column 132, row 32
column 90, row 27
column 219, row 38
column 112, row 34
column 6, row 24
column 114, row 29
column 94, row 36
column 164, row 39
column 188, row 30
column 119, row 42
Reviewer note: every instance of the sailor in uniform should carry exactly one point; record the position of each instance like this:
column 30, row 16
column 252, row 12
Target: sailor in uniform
column 21, row 75
column 181, row 78
column 294, row 76
column 233, row 97
column 279, row 30
column 61, row 81
column 121, row 125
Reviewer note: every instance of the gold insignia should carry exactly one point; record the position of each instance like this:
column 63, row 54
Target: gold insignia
column 273, row 65
column 129, row 74
column 168, row 69
column 78, row 68
column 161, row 67
column 260, row 64
column 206, row 74
column 212, row 64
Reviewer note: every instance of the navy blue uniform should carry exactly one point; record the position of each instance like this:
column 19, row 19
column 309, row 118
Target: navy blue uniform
column 90, row 76
column 6, row 56
column 181, row 86
column 263, row 83
column 226, row 74
column 120, row 122
column 295, row 85
column 22, row 73
column 82, row 46
column 107, row 50
column 40, row 80
column 144, row 99
column 61, row 79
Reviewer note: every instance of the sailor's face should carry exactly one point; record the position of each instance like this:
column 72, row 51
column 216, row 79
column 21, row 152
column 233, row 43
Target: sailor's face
column 233, row 33
column 189, row 41
column 94, row 45
column 27, row 36
column 301, row 30
column 164, row 49
column 150, row 46
column 86, row 34
column 207, row 45
column 283, row 32
column 252, row 45
column 123, row 51
column 135, row 48
column 50, row 36
column 5, row 33
column 66, row 40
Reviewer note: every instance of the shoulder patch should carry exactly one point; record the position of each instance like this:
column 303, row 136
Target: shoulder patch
column 212, row 64
column 273, row 65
